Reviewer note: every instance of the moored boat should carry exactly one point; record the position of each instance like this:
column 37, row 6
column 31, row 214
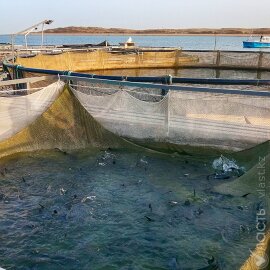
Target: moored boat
column 264, row 42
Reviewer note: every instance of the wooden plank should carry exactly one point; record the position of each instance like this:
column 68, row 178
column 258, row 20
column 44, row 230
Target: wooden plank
column 27, row 80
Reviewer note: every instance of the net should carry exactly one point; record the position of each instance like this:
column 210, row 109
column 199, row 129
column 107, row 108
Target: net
column 201, row 119
column 99, row 60
column 64, row 125
column 17, row 112
column 234, row 59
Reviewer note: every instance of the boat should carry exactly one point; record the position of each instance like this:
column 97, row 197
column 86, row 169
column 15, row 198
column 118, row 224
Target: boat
column 264, row 42
column 128, row 44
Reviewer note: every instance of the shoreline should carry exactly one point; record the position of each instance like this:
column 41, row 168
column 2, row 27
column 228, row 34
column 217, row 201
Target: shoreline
column 130, row 34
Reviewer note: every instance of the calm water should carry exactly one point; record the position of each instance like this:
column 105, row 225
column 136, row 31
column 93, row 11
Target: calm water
column 119, row 210
column 186, row 42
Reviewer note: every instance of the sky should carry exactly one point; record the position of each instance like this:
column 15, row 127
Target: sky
column 17, row 15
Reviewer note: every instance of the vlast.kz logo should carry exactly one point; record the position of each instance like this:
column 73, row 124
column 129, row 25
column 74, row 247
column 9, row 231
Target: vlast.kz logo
column 260, row 258
column 261, row 261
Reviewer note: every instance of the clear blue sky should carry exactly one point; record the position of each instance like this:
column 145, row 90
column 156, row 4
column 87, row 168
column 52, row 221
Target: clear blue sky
column 137, row 14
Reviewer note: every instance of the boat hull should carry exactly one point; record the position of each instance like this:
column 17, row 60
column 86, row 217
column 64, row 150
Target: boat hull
column 256, row 44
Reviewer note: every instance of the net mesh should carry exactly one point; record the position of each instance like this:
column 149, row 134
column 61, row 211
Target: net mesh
column 65, row 125
column 265, row 60
column 205, row 119
column 203, row 58
column 236, row 59
column 99, row 60
column 17, row 112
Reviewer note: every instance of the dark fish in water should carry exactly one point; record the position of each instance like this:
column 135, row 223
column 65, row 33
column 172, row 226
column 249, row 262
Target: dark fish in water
column 245, row 195
column 149, row 219
column 221, row 176
column 3, row 171
column 187, row 203
column 212, row 265
column 198, row 212
column 216, row 176
column 173, row 264
column 210, row 261
column 2, row 196
column 61, row 151
column 150, row 207
column 42, row 206
column 167, row 192
column 259, row 206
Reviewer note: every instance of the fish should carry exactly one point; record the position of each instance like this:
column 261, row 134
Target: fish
column 149, row 219
column 245, row 195
column 212, row 265
column 61, row 151
column 3, row 171
column 173, row 264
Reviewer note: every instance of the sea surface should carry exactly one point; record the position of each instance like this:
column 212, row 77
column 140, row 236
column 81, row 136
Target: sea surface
column 185, row 42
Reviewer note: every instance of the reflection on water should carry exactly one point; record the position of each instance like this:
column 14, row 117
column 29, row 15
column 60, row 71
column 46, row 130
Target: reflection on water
column 187, row 72
column 119, row 210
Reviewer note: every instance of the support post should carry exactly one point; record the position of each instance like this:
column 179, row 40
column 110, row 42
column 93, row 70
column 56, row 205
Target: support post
column 12, row 47
column 168, row 81
column 218, row 59
column 260, row 62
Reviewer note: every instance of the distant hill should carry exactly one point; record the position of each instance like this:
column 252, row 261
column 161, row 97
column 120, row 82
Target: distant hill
column 191, row 31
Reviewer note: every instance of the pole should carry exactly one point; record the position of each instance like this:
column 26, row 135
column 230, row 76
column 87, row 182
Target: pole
column 25, row 39
column 42, row 35
column 12, row 46
column 215, row 46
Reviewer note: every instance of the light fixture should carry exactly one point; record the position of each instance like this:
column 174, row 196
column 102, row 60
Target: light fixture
column 27, row 32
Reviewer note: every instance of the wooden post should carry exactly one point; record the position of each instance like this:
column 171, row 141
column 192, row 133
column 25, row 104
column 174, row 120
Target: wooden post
column 217, row 65
column 260, row 61
column 218, row 59
column 177, row 54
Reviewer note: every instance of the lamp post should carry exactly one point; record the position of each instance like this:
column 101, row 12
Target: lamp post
column 26, row 32
column 25, row 37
